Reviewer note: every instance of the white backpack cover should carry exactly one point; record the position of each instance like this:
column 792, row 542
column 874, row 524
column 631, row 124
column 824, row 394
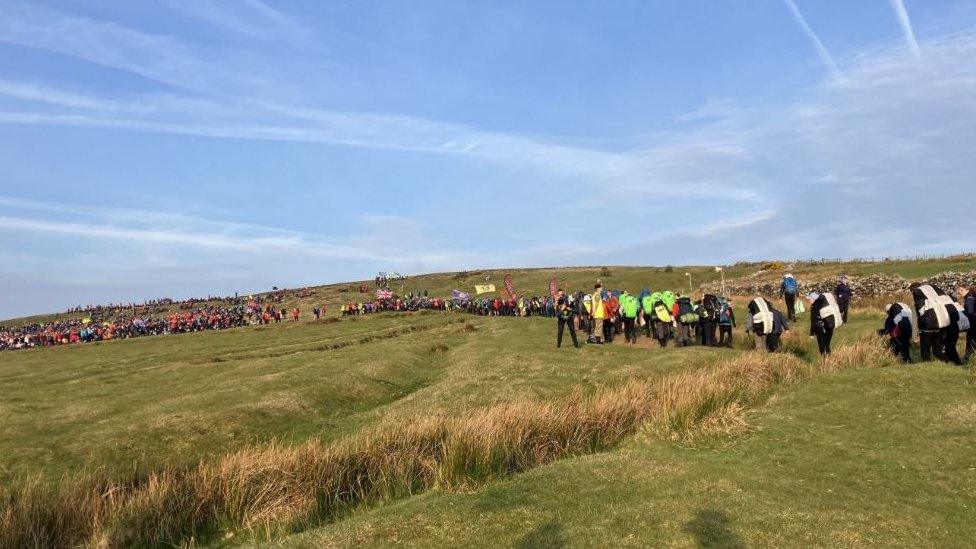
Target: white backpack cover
column 832, row 309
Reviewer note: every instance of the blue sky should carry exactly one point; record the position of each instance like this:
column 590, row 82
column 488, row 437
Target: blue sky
column 185, row 147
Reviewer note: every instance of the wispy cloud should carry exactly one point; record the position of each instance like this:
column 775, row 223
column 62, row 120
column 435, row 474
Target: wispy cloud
column 906, row 27
column 252, row 18
column 822, row 52
column 180, row 230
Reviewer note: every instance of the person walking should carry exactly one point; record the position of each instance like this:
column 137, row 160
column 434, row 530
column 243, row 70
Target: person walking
column 899, row 326
column 628, row 310
column 825, row 317
column 760, row 320
column 788, row 290
column 564, row 320
column 844, row 296
column 780, row 326
column 684, row 312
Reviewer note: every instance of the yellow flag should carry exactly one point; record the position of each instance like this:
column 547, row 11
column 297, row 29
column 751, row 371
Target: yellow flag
column 484, row 288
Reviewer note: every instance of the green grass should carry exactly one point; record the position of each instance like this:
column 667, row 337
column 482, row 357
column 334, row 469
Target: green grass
column 181, row 398
column 864, row 457
column 861, row 457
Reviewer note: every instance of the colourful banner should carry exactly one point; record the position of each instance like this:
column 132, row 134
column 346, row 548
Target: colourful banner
column 458, row 294
column 384, row 294
column 553, row 288
column 484, row 288
column 509, row 287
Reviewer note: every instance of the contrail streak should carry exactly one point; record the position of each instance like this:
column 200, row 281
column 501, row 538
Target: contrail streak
column 825, row 57
column 906, row 26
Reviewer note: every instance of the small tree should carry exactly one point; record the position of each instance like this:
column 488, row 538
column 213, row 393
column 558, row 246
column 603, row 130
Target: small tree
column 605, row 272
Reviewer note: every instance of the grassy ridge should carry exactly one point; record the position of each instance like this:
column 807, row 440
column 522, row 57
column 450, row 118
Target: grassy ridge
column 534, row 281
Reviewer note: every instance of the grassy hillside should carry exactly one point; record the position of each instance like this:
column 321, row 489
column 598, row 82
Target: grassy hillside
column 817, row 464
column 535, row 281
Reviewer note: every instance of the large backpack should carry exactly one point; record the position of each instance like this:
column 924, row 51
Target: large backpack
column 629, row 306
column 789, row 285
column 724, row 313
column 686, row 311
column 709, row 307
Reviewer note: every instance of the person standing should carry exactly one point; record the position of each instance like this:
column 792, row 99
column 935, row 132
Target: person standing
column 598, row 312
column 844, row 296
column 825, row 317
column 564, row 320
column 788, row 289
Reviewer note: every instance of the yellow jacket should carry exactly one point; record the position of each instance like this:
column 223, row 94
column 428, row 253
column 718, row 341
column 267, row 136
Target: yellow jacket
column 598, row 308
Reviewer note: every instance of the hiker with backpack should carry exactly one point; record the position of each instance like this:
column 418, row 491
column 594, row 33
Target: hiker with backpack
column 661, row 319
column 788, row 289
column 709, row 319
column 899, row 326
column 825, row 317
column 647, row 310
column 611, row 306
column 938, row 323
column 760, row 320
column 628, row 311
column 726, row 321
column 684, row 313
column 844, row 295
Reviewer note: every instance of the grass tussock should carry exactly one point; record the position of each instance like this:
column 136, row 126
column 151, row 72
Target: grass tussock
column 272, row 489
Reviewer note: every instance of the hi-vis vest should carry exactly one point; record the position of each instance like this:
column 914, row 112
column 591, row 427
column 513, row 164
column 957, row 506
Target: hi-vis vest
column 598, row 307
column 763, row 317
column 936, row 303
column 647, row 304
column 831, row 309
column 964, row 324
column 628, row 306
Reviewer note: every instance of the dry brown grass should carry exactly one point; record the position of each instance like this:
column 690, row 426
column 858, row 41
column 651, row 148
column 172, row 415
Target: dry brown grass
column 276, row 488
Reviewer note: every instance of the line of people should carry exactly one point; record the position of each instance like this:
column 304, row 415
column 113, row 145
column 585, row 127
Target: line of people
column 936, row 320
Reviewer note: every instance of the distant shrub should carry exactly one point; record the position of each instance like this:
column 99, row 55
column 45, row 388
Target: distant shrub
column 773, row 266
column 605, row 272
column 669, row 269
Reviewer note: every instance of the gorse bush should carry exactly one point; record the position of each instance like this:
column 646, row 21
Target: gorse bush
column 275, row 488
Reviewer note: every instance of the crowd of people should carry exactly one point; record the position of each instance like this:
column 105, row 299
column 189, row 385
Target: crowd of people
column 934, row 318
column 108, row 327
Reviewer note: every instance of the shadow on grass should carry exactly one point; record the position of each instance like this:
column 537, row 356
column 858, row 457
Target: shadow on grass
column 711, row 529
column 548, row 535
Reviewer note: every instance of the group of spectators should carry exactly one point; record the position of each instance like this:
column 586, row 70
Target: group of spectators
column 104, row 328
